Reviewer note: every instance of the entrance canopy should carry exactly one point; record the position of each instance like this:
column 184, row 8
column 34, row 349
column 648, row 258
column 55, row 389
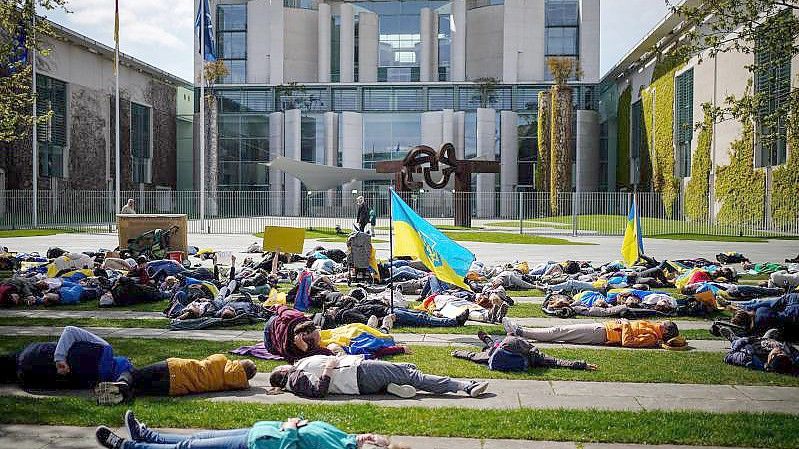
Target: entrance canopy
column 325, row 177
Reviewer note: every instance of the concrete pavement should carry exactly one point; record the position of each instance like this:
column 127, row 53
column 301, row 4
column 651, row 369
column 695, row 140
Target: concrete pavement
column 68, row 437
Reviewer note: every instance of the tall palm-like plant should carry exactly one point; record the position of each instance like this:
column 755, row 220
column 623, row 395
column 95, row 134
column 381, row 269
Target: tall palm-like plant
column 560, row 124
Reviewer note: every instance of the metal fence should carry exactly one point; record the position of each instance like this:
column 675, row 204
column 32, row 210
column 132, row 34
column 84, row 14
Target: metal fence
column 245, row 212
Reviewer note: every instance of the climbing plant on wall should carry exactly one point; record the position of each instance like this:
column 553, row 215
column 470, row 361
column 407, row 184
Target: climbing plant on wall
column 785, row 178
column 697, row 206
column 542, row 164
column 623, row 139
column 658, row 106
column 739, row 187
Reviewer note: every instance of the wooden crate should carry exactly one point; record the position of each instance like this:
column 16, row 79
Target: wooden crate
column 134, row 225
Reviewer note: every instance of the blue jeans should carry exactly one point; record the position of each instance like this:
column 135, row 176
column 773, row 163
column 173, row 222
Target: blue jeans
column 215, row 439
column 754, row 304
column 405, row 273
column 434, row 286
column 407, row 317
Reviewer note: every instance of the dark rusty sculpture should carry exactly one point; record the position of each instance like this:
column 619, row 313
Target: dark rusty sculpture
column 423, row 159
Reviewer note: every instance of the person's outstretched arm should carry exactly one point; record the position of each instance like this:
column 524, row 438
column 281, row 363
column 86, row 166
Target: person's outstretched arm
column 545, row 361
column 71, row 335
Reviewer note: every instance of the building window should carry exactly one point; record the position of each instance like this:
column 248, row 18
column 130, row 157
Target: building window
column 773, row 91
column 528, row 149
column 636, row 140
column 51, row 136
column 141, row 143
column 444, row 44
column 243, row 148
column 474, row 4
column 301, row 4
column 603, row 156
column 562, row 28
column 231, row 41
column 684, row 121
column 335, row 49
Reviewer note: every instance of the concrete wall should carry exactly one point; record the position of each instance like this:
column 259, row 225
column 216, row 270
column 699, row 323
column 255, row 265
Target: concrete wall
column 509, row 156
column 486, row 182
column 484, row 41
column 300, row 34
column 458, row 47
column 276, row 149
column 258, row 36
column 367, row 47
column 587, row 151
column 523, row 41
column 589, row 40
column 351, row 146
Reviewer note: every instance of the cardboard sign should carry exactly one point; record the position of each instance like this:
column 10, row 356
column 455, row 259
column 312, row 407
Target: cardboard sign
column 284, row 240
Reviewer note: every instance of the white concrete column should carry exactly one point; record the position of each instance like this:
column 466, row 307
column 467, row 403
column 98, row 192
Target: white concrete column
column 432, row 129
column 275, row 175
column 457, row 50
column 331, row 148
column 509, row 157
column 587, row 151
column 513, row 39
column 589, row 40
column 486, row 182
column 448, row 126
column 426, row 45
column 323, row 43
column 275, row 42
column 292, row 139
column 257, row 35
column 367, row 47
column 351, row 147
column 347, row 43
column 459, row 133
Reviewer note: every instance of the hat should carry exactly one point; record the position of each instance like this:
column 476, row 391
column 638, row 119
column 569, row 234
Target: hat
column 678, row 343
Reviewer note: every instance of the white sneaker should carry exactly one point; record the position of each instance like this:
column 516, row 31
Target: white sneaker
column 402, row 391
column 373, row 322
column 477, row 389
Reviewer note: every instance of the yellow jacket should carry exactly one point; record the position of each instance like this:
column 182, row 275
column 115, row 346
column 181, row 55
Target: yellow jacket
column 633, row 334
column 215, row 373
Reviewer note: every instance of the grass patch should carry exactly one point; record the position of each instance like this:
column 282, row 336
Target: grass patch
column 710, row 238
column 532, row 292
column 157, row 306
column 656, row 427
column 692, row 367
column 508, row 237
column 8, row 233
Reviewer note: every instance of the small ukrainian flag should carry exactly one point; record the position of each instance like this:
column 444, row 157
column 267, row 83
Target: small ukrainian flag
column 633, row 245
column 416, row 237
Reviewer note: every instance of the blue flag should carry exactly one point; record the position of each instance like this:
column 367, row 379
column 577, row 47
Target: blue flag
column 205, row 26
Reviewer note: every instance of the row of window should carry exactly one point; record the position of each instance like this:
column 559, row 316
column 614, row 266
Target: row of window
column 51, row 136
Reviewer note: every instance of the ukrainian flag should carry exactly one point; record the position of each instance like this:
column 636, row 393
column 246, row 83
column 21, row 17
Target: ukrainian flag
column 633, row 245
column 415, row 237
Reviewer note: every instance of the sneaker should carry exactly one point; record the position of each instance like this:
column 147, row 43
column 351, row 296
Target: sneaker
column 136, row 429
column 388, row 322
column 502, row 310
column 402, row 391
column 373, row 322
column 110, row 393
column 485, row 338
column 510, row 328
column 727, row 333
column 476, row 389
column 109, row 439
column 462, row 318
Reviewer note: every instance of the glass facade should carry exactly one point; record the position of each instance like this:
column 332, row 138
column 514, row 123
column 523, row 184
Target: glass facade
column 52, row 135
column 684, row 121
column 140, row 142
column 243, row 147
column 528, row 150
column 388, row 136
column 444, row 44
column 231, row 41
column 773, row 92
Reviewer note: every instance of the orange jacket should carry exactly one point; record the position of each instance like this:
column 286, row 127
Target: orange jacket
column 633, row 334
column 215, row 373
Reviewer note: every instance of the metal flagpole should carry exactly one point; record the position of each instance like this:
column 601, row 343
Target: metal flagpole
column 35, row 133
column 391, row 246
column 202, row 115
column 117, row 167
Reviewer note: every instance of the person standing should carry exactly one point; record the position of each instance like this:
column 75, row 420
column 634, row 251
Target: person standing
column 129, row 208
column 362, row 215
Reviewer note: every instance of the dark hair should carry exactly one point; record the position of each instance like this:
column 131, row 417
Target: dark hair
column 781, row 363
column 742, row 319
column 304, row 327
column 670, row 330
column 279, row 378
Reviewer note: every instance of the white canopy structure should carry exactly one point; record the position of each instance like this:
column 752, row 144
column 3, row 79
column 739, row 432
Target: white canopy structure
column 325, row 177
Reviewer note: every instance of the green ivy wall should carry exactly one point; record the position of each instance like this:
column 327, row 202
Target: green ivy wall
column 623, row 139
column 740, row 188
column 697, row 205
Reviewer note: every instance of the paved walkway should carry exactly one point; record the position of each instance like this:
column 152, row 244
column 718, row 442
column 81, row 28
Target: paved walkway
column 257, row 335
column 515, row 394
column 67, row 437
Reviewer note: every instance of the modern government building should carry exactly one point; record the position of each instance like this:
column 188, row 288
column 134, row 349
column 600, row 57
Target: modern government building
column 351, row 83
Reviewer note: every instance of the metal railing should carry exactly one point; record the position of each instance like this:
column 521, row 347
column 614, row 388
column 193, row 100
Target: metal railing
column 245, row 212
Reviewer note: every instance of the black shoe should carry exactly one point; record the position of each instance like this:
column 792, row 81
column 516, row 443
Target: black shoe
column 462, row 318
column 109, row 439
column 727, row 333
column 136, row 429
column 485, row 338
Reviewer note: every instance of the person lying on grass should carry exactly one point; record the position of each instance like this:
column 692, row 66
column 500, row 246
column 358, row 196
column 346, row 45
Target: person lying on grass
column 292, row 433
column 178, row 377
column 766, row 353
column 621, row 332
column 319, row 375
column 79, row 359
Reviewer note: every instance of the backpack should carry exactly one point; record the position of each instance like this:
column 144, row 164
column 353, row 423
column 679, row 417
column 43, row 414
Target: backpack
column 511, row 354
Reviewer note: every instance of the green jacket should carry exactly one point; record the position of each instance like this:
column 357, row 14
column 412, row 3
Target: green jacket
column 314, row 435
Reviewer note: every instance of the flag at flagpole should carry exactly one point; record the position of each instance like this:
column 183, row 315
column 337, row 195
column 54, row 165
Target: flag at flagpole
column 632, row 247
column 416, row 237
column 205, row 29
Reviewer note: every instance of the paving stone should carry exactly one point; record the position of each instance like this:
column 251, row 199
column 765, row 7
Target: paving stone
column 719, row 405
column 769, row 393
column 652, row 390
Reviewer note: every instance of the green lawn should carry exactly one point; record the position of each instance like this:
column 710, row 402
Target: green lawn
column 157, row 306
column 533, row 292
column 709, row 238
column 7, row 233
column 614, row 365
column 657, row 427
column 507, row 237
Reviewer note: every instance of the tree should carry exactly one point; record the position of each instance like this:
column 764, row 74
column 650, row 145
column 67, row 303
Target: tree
column 19, row 37
column 213, row 72
column 765, row 27
column 560, row 124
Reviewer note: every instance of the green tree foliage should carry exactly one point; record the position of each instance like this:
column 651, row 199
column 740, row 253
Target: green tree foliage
column 623, row 139
column 697, row 205
column 542, row 165
column 16, row 92
column 785, row 178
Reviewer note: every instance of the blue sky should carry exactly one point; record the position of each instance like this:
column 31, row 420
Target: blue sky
column 160, row 32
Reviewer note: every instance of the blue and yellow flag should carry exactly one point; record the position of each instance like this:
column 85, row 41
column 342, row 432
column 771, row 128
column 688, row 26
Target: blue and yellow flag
column 415, row 237
column 633, row 245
